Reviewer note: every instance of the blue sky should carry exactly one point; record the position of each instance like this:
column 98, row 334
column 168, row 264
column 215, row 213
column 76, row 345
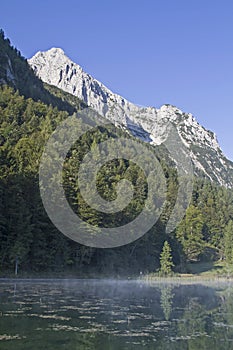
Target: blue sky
column 150, row 51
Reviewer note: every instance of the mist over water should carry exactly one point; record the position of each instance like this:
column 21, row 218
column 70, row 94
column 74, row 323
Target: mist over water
column 114, row 314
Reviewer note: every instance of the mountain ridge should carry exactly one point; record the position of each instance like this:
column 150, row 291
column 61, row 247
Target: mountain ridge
column 150, row 124
column 28, row 237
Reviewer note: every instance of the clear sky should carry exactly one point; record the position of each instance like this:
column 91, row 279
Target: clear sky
column 150, row 51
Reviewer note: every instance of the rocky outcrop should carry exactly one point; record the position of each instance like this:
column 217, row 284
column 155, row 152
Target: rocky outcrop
column 148, row 123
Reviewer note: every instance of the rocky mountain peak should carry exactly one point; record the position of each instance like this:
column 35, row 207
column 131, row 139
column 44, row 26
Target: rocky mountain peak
column 148, row 123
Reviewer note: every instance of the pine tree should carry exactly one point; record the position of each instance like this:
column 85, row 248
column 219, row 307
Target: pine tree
column 228, row 242
column 166, row 262
column 190, row 233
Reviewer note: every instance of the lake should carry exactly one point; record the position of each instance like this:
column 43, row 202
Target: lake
column 108, row 314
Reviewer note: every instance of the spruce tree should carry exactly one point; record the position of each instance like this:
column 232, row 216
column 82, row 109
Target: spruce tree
column 166, row 262
column 190, row 233
column 228, row 242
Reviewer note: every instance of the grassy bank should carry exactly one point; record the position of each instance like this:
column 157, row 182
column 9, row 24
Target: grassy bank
column 197, row 272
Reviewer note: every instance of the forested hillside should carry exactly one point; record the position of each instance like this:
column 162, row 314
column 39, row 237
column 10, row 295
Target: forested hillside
column 29, row 113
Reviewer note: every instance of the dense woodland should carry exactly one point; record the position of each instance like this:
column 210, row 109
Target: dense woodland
column 29, row 113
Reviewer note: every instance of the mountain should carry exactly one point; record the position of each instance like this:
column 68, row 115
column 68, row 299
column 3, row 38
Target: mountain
column 16, row 72
column 150, row 124
column 30, row 110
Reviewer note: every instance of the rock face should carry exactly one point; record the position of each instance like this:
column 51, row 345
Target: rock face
column 149, row 124
column 7, row 75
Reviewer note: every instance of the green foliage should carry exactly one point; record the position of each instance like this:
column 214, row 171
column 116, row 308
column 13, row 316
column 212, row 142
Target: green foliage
column 26, row 231
column 166, row 263
column 190, row 233
column 29, row 112
column 228, row 242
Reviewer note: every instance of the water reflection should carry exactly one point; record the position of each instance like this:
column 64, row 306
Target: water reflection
column 103, row 314
column 166, row 301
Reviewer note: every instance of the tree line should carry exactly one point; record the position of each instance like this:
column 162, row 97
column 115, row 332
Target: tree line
column 27, row 234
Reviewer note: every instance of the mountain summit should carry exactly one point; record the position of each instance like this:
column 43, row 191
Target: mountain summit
column 149, row 124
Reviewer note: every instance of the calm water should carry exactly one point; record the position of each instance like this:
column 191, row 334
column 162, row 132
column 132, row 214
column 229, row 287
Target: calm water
column 102, row 315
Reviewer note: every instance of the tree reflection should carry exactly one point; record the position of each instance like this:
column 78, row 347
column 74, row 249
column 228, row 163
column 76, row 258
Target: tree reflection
column 166, row 301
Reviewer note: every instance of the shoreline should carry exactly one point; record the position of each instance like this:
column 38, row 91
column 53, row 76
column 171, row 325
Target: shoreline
column 172, row 280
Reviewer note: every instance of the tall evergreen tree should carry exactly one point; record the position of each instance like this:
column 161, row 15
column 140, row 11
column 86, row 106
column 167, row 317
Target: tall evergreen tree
column 228, row 242
column 166, row 263
column 190, row 233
